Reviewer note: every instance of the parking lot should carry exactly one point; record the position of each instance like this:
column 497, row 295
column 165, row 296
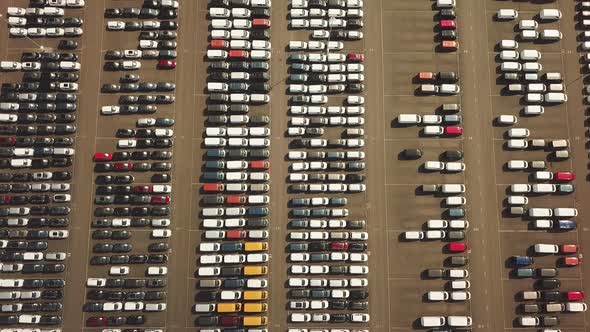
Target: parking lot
column 401, row 39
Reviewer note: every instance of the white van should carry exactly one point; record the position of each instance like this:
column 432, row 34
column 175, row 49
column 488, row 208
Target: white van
column 208, row 271
column 452, row 188
column 533, row 110
column 437, row 296
column 259, row 142
column 409, row 118
column 532, row 67
column 517, row 144
column 576, row 307
column 455, row 201
column 459, row 224
column 540, row 212
column 553, row 76
column 433, row 130
column 544, row 188
column 554, row 307
column 259, row 98
column 528, row 25
column 555, row 97
column 236, row 176
column 530, row 55
column 260, row 55
column 541, row 248
column 237, row 132
column 520, row 188
column 217, row 87
column 239, row 98
column 550, row 14
column 258, row 199
column 459, row 321
column 529, row 34
column 432, row 321
column 220, row 34
column 437, row 223
column 208, row 307
column 517, row 200
column 518, row 132
column 506, row 14
column 209, row 247
column 216, row 54
column 413, row 235
column 529, row 321
column 551, row 34
column 460, row 284
column 210, row 259
column 240, row 44
column 565, row 212
column 259, row 132
column 510, row 66
column 543, row 223
column 215, row 141
column 445, row 4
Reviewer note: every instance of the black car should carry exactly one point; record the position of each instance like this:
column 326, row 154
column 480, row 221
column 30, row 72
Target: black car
column 51, row 307
column 112, row 12
column 116, row 321
column 114, row 296
column 158, row 247
column 95, row 294
column 134, row 283
column 99, row 260
column 50, row 320
column 112, row 66
column 9, row 320
column 337, row 305
column 157, row 259
column 73, row 22
column 67, row 44
column 102, row 234
column 338, row 318
column 153, row 296
column 68, row 56
column 140, row 222
column 168, row 25
column 114, row 283
column 138, row 259
column 135, row 320
column 32, row 268
column 124, row 179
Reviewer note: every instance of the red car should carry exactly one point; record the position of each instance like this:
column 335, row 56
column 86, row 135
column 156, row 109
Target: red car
column 564, row 176
column 261, row 23
column 454, row 131
column 96, row 321
column 167, row 64
column 355, row 57
column 218, row 43
column 235, row 199
column 448, row 45
column 575, row 296
column 339, row 246
column 447, row 24
column 103, row 156
column 568, row 248
column 142, row 189
column 4, row 200
column 123, row 167
column 571, row 261
column 230, row 320
column 458, row 247
column 7, row 141
column 259, row 164
column 239, row 54
column 160, row 200
column 213, row 187
column 235, row 234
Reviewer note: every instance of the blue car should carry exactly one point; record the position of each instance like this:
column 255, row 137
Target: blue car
column 566, row 224
column 522, row 260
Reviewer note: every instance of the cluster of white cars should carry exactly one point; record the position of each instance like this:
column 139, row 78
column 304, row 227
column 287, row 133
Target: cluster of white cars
column 19, row 20
column 521, row 69
column 322, row 242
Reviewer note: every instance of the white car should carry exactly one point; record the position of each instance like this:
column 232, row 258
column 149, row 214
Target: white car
column 17, row 32
column 434, row 165
column 359, row 318
column 73, row 32
column 300, row 318
column 115, row 25
column 96, row 282
column 119, row 270
column 507, row 119
column 517, row 164
column 15, row 11
column 299, row 23
column 131, row 65
column 127, row 143
column 36, row 32
column 110, row 110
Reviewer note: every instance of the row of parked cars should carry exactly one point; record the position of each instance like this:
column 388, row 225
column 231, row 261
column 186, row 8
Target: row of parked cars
column 37, row 121
column 325, row 241
column 132, row 291
column 521, row 71
column 233, row 252
column 452, row 226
